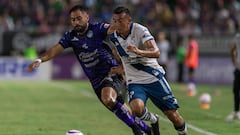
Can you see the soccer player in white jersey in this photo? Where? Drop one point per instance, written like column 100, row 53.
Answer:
column 235, row 55
column 144, row 76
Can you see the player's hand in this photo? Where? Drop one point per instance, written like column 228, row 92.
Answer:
column 132, row 48
column 116, row 70
column 33, row 66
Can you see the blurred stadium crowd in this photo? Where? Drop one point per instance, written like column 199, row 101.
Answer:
column 29, row 27
column 182, row 16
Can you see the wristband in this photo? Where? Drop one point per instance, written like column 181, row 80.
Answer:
column 39, row 60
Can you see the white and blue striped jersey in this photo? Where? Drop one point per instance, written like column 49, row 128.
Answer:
column 137, row 36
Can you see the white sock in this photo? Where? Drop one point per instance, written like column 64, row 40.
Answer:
column 148, row 116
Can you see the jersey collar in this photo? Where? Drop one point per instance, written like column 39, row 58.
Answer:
column 130, row 31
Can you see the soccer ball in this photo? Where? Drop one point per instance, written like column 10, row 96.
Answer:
column 74, row 132
column 205, row 100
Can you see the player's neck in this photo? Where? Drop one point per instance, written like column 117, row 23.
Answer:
column 125, row 33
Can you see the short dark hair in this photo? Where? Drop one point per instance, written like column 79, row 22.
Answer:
column 121, row 9
column 78, row 7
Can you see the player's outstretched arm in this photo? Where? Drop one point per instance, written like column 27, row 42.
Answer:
column 49, row 54
column 151, row 49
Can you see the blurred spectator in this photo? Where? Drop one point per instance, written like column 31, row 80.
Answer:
column 192, row 64
column 235, row 51
column 182, row 17
column 164, row 47
column 207, row 16
column 44, row 28
column 180, row 54
column 6, row 21
column 30, row 53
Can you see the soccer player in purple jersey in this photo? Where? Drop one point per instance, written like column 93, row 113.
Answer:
column 87, row 41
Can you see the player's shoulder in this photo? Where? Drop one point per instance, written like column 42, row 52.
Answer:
column 100, row 25
column 139, row 29
column 139, row 26
column 69, row 32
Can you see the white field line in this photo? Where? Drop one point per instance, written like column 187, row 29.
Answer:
column 197, row 129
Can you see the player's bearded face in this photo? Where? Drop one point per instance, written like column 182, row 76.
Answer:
column 80, row 28
column 79, row 21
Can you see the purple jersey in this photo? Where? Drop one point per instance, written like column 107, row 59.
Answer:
column 94, row 56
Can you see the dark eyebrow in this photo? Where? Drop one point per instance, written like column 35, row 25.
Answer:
column 119, row 18
column 75, row 17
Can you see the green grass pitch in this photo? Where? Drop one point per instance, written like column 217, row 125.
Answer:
column 53, row 108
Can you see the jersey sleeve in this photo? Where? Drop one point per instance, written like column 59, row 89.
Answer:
column 103, row 28
column 64, row 41
column 145, row 34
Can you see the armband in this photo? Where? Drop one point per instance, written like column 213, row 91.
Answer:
column 39, row 60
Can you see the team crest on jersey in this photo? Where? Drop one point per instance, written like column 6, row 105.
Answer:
column 90, row 34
